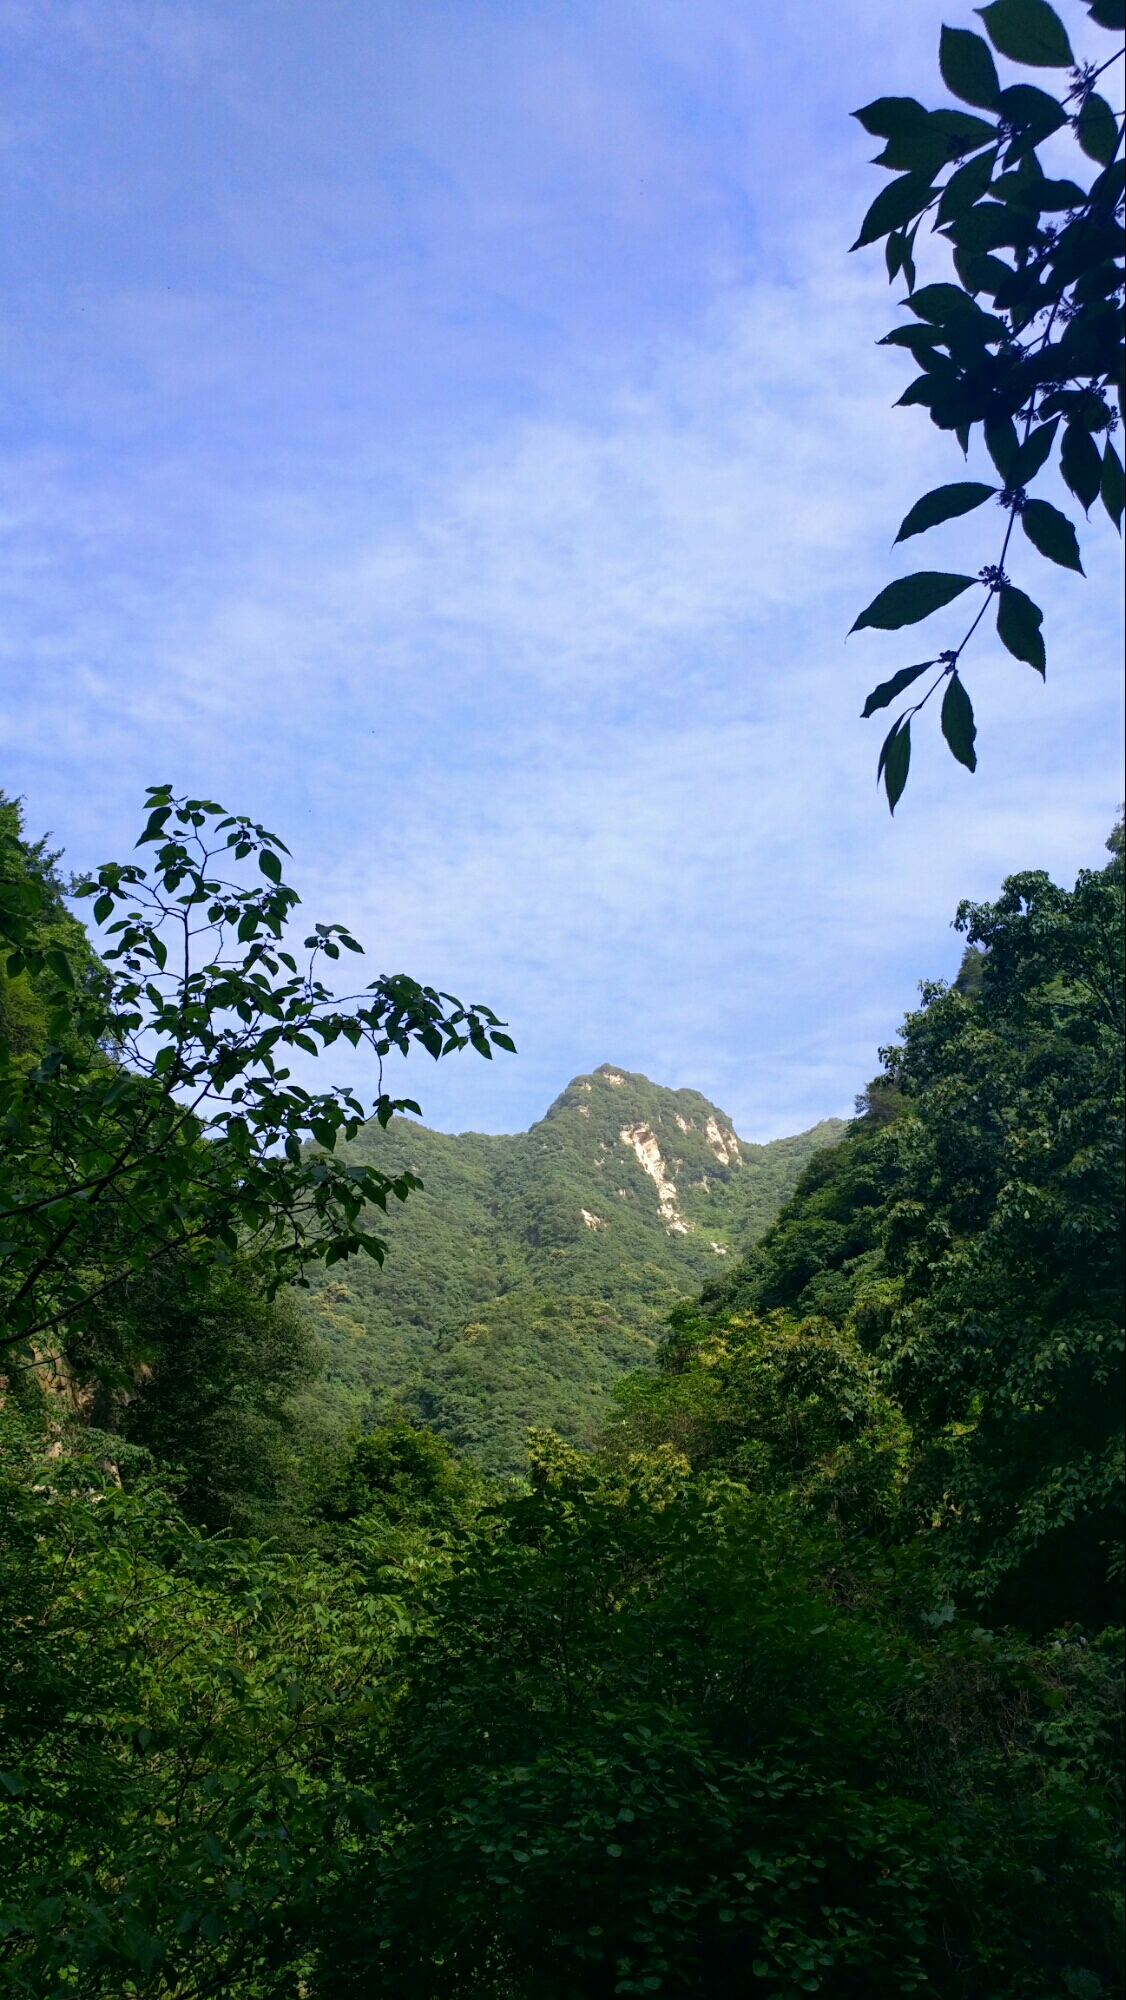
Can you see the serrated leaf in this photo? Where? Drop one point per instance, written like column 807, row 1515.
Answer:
column 1028, row 31
column 945, row 503
column 1097, row 130
column 1018, row 627
column 894, row 206
column 1029, row 457
column 1052, row 533
column 958, row 723
column 887, row 690
column 912, row 598
column 1112, row 485
column 895, row 762
column 967, row 67
column 1081, row 465
column 887, row 117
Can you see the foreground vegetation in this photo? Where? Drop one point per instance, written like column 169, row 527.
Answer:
column 806, row 1679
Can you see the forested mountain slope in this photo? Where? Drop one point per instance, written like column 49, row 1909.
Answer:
column 532, row 1269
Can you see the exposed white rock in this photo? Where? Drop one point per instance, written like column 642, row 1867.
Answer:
column 611, row 1076
column 592, row 1221
column 720, row 1249
column 724, row 1145
column 684, row 1123
column 643, row 1141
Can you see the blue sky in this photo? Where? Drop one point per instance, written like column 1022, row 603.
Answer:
column 452, row 432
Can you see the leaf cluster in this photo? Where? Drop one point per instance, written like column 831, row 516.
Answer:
column 162, row 1117
column 1036, row 364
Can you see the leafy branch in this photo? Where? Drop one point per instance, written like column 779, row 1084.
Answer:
column 1040, row 366
column 162, row 1119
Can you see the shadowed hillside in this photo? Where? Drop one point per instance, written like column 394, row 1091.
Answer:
column 534, row 1269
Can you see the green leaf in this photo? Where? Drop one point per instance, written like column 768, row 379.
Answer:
column 1002, row 445
column 1018, row 627
column 961, row 133
column 967, row 186
column 958, row 723
column 895, row 761
column 61, row 967
column 1028, row 31
column 1112, row 485
column 912, row 598
column 103, row 908
column 1022, row 104
column 945, row 503
column 886, row 692
column 1097, row 130
column 889, row 117
column 1081, row 464
column 1109, row 14
column 1031, row 455
column 943, row 304
column 1052, row 533
column 894, row 206
column 270, row 865
column 967, row 67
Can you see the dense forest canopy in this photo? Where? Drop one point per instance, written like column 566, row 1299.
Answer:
column 803, row 1677
column 670, row 1567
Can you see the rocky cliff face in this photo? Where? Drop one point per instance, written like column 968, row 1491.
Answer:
column 533, row 1268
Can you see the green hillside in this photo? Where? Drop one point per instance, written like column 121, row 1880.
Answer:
column 533, row 1269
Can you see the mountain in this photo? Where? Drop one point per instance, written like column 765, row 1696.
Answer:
column 533, row 1269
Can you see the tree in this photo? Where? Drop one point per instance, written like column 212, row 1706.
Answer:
column 160, row 1119
column 1001, row 1331
column 632, row 1746
column 1034, row 370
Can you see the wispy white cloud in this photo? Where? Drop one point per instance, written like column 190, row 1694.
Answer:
column 549, row 693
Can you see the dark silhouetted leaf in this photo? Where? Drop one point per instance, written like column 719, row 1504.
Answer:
column 942, row 304
column 1097, row 130
column 945, row 503
column 1112, row 485
column 270, row 865
column 967, row 186
column 1081, row 464
column 967, row 67
column 1028, row 31
column 1022, row 104
column 1018, row 626
column 1031, row 455
column 1052, row 533
column 958, row 723
column 894, row 206
column 887, row 690
column 1109, row 14
column 887, row 117
column 912, row 598
column 1002, row 444
column 982, row 273
column 895, row 762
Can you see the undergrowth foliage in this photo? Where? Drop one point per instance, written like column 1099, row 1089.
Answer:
column 1032, row 369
